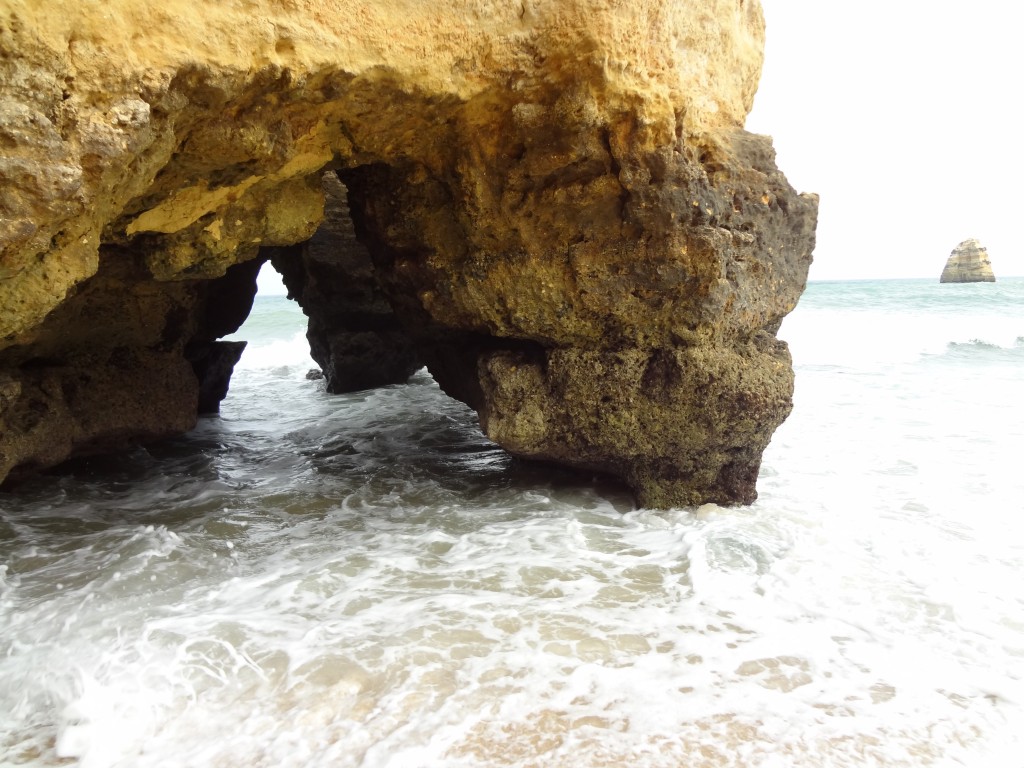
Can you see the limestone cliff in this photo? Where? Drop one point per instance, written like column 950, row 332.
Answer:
column 559, row 200
column 968, row 263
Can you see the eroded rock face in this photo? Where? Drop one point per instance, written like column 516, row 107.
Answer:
column 559, row 201
column 123, row 359
column 968, row 263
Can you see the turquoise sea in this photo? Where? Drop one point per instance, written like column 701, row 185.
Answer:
column 363, row 580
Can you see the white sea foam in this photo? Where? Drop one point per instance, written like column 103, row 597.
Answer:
column 278, row 356
column 366, row 581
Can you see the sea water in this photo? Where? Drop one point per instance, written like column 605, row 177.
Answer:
column 364, row 580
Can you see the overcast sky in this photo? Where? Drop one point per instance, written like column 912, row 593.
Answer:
column 904, row 115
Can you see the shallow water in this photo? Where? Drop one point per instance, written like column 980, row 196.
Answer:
column 365, row 580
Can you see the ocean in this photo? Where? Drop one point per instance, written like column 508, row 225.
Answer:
column 364, row 580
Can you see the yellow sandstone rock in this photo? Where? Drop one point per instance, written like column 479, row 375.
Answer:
column 968, row 263
column 562, row 183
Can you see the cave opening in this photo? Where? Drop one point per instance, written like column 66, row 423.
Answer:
column 354, row 335
column 363, row 347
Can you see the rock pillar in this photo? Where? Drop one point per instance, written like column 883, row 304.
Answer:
column 968, row 263
column 353, row 333
column 614, row 312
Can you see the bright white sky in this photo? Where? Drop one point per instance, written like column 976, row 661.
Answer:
column 269, row 282
column 904, row 115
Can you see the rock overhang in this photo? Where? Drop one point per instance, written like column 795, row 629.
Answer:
column 566, row 182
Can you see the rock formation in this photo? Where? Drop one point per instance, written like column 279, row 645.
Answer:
column 968, row 263
column 558, row 197
column 353, row 333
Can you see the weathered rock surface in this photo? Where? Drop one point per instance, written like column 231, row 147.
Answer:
column 116, row 363
column 968, row 263
column 558, row 198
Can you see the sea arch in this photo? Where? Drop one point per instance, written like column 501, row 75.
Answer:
column 564, row 218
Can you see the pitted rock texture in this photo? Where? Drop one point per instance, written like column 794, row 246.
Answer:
column 968, row 263
column 558, row 198
column 682, row 260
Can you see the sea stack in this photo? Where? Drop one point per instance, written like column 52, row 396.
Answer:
column 556, row 207
column 968, row 263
